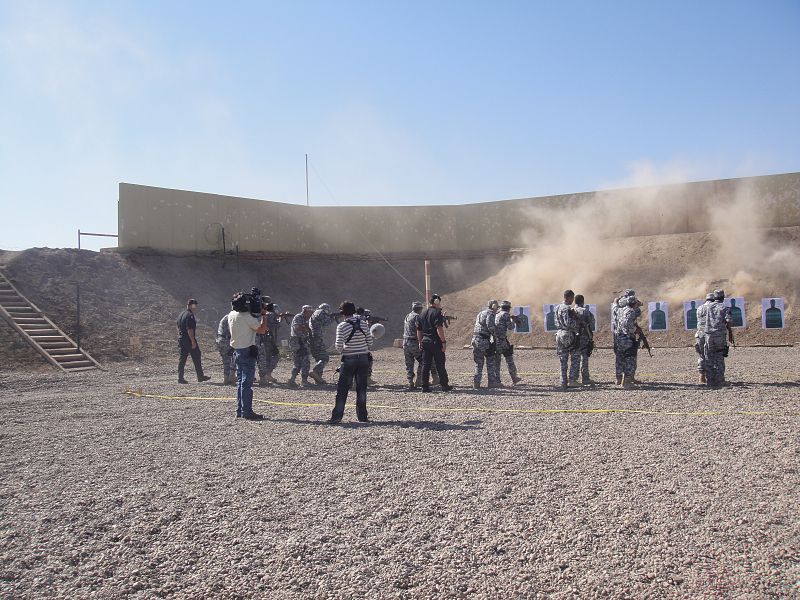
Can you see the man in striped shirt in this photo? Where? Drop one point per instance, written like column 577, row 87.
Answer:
column 353, row 340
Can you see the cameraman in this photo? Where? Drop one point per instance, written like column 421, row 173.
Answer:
column 244, row 328
column 353, row 340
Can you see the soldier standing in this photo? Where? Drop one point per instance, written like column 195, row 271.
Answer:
column 299, row 347
column 503, row 323
column 268, row 351
column 411, row 350
column 319, row 320
column 625, row 341
column 718, row 332
column 580, row 357
column 484, row 348
column 566, row 334
column 617, row 306
column 701, row 319
column 226, row 353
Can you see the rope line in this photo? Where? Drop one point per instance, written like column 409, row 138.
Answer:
column 482, row 409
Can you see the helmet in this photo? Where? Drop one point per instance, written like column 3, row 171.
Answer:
column 632, row 300
column 719, row 294
column 710, row 296
column 325, row 307
column 505, row 305
column 416, row 305
column 492, row 304
column 306, row 307
column 377, row 331
column 629, row 292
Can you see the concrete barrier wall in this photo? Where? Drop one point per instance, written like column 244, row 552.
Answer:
column 182, row 221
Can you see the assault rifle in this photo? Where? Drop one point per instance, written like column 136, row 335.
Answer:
column 285, row 315
column 447, row 319
column 643, row 341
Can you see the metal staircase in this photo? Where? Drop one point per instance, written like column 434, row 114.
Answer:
column 40, row 332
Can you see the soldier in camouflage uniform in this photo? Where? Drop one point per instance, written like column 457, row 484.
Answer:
column 226, row 353
column 617, row 305
column 268, row 351
column 580, row 356
column 626, row 344
column 483, row 348
column 299, row 346
column 566, row 335
column 503, row 323
column 718, row 331
column 411, row 350
column 700, row 336
column 319, row 320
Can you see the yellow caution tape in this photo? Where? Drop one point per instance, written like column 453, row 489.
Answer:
column 481, row 409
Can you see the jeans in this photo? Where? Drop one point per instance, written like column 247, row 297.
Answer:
column 432, row 353
column 245, row 374
column 185, row 347
column 354, row 365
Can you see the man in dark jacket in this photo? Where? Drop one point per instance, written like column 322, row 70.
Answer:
column 187, row 342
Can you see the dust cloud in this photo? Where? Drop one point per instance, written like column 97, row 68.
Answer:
column 666, row 241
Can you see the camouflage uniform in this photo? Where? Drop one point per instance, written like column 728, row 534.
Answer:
column 411, row 350
column 319, row 320
column 268, row 351
column 616, row 307
column 716, row 344
column 566, row 334
column 580, row 356
column 481, row 348
column 502, row 325
column 625, row 344
column 298, row 346
column 226, row 353
column 700, row 335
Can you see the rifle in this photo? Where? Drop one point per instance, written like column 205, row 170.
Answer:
column 375, row 319
column 643, row 341
column 447, row 319
column 284, row 315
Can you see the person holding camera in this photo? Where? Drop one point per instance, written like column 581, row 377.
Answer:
column 354, row 340
column 187, row 342
column 244, row 327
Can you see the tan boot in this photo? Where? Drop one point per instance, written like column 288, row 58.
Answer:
column 434, row 379
column 292, row 383
column 702, row 378
column 627, row 382
column 271, row 379
column 317, row 379
column 619, row 380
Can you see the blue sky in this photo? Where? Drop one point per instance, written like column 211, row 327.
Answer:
column 395, row 103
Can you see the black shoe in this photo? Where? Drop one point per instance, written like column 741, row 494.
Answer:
column 363, row 421
column 182, row 381
column 254, row 417
column 333, row 421
column 238, row 415
column 426, row 390
column 447, row 388
column 203, row 378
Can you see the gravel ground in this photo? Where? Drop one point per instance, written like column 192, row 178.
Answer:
column 105, row 494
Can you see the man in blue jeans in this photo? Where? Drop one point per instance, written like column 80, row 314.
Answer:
column 354, row 340
column 244, row 327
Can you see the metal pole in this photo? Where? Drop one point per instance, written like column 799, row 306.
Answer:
column 307, row 180
column 223, row 248
column 78, row 315
column 79, row 239
column 427, row 281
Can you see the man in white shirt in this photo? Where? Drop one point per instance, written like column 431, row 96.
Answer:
column 244, row 327
column 354, row 340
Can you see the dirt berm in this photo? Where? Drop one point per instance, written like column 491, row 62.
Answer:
column 129, row 301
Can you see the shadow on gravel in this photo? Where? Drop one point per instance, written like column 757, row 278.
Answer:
column 426, row 425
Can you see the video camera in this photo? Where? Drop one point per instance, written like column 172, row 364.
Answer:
column 252, row 302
